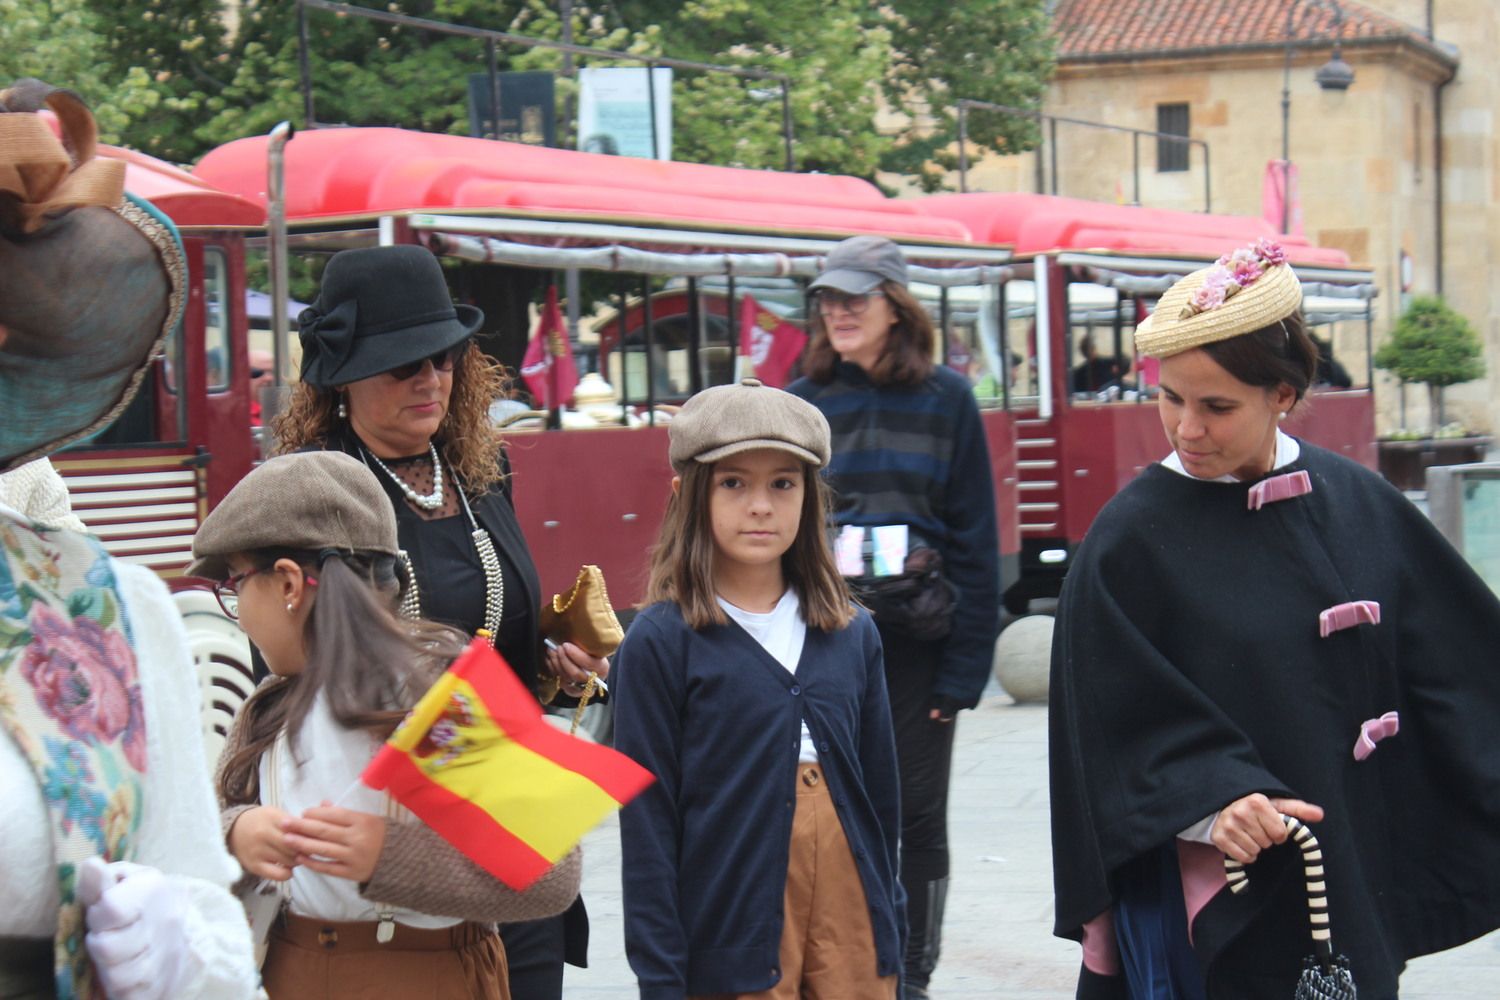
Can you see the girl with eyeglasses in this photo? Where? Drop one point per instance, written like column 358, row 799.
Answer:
column 391, row 376
column 372, row 903
column 909, row 454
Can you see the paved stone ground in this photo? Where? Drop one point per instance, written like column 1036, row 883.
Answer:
column 998, row 943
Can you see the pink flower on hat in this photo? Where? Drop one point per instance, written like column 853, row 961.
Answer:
column 1213, row 291
column 1270, row 251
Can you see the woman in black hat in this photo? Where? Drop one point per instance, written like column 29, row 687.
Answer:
column 909, row 451
column 391, row 375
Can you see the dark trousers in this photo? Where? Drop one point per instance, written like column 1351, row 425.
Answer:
column 536, row 950
column 924, row 758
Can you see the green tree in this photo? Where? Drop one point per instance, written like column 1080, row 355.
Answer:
column 1434, row 345
column 180, row 47
column 997, row 51
column 58, row 42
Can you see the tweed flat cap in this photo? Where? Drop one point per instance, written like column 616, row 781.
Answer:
column 307, row 500
column 727, row 419
column 1210, row 305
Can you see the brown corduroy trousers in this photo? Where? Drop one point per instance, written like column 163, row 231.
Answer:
column 827, row 942
column 309, row 959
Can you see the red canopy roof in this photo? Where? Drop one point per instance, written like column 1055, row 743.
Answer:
column 376, row 171
column 1035, row 223
column 183, row 198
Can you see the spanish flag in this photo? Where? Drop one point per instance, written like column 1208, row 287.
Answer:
column 477, row 763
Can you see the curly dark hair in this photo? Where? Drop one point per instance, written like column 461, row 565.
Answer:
column 471, row 444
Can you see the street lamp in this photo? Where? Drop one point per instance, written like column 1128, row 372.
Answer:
column 1332, row 75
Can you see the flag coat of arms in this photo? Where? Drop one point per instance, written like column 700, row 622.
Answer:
column 477, row 763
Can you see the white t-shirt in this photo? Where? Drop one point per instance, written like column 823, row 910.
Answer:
column 780, row 632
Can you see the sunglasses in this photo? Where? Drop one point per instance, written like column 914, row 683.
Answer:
column 257, row 372
column 442, row 361
column 829, row 302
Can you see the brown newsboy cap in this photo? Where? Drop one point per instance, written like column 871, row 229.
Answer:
column 307, row 500
column 727, row 419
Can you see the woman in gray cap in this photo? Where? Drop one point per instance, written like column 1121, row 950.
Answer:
column 909, row 451
column 391, row 376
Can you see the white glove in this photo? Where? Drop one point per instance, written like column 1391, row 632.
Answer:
column 136, row 935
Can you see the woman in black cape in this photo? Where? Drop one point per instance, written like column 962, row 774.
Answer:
column 1253, row 628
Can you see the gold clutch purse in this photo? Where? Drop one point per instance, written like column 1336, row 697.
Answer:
column 582, row 616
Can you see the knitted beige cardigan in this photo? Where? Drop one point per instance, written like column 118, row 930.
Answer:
column 419, row 870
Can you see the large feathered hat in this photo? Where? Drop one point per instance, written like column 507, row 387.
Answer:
column 91, row 280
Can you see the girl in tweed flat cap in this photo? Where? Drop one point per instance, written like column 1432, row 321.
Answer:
column 763, row 861
column 374, row 903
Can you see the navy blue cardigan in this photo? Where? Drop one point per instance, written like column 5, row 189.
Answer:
column 718, row 721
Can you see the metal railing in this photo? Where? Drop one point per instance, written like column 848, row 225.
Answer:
column 492, row 39
column 1049, row 144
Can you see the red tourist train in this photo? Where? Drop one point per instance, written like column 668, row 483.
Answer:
column 666, row 254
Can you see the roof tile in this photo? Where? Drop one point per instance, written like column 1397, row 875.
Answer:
column 1090, row 28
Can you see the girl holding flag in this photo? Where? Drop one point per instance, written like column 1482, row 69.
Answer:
column 376, row 904
column 763, row 861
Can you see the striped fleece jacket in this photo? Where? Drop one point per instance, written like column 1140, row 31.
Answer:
column 917, row 456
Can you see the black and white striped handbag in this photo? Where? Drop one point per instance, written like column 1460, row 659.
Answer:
column 1325, row 976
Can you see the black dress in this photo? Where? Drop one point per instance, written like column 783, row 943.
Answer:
column 1189, row 670
column 451, row 583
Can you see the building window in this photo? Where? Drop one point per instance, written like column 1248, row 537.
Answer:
column 1171, row 156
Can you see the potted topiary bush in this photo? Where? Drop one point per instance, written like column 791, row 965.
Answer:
column 1435, row 346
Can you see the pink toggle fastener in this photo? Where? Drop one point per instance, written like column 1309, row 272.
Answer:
column 1342, row 616
column 1373, row 731
column 1283, row 487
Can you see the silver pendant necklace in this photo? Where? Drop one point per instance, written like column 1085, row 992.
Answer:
column 427, row 501
column 484, row 546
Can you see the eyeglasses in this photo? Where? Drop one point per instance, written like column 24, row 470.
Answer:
column 227, row 592
column 442, row 361
column 830, row 302
column 257, row 372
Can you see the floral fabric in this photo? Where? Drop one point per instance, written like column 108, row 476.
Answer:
column 70, row 697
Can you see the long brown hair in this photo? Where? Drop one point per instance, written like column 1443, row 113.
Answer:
column 370, row 664
column 682, row 561
column 907, row 358
column 471, row 444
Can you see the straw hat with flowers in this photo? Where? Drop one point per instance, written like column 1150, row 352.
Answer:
column 1241, row 292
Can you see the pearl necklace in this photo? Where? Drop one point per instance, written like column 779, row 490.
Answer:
column 427, row 501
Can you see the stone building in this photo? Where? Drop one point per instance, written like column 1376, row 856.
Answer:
column 1401, row 170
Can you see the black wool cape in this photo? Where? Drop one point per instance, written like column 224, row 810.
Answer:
column 1188, row 671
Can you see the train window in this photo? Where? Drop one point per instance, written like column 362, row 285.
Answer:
column 1020, row 322
column 218, row 362
column 1102, row 321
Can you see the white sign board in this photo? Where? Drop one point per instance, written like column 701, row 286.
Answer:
column 613, row 115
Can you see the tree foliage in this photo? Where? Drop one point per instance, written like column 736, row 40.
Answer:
column 1435, row 345
column 871, row 85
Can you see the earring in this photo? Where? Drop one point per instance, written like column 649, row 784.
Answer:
column 343, row 409
column 288, row 607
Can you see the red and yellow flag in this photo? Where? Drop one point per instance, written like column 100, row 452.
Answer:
column 477, row 763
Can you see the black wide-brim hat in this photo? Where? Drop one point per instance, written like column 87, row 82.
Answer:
column 379, row 308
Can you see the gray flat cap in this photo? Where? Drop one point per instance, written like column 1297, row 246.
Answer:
column 727, row 419
column 307, row 500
